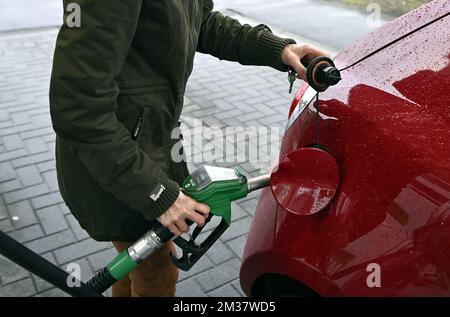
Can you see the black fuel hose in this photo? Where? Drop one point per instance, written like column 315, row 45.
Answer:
column 46, row 270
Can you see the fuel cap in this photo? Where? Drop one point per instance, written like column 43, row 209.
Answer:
column 305, row 181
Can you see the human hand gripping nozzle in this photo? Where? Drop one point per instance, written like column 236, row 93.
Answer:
column 216, row 187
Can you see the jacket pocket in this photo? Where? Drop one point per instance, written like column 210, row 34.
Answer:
column 76, row 185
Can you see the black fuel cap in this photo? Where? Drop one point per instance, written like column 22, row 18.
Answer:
column 321, row 73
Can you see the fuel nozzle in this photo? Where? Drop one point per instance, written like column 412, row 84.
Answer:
column 321, row 73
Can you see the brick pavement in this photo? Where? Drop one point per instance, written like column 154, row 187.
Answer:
column 31, row 208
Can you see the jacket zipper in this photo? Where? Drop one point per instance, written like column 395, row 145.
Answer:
column 137, row 127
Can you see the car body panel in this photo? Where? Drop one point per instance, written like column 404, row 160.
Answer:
column 388, row 126
column 392, row 31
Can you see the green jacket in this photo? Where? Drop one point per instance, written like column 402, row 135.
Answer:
column 116, row 94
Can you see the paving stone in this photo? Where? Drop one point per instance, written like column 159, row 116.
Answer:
column 237, row 245
column 225, row 291
column 36, row 145
column 6, row 226
column 189, row 288
column 51, row 180
column 202, row 265
column 64, row 208
column 27, row 234
column 47, row 166
column 9, row 186
column 219, row 275
column 20, row 288
column 4, row 115
column 229, row 114
column 49, row 138
column 25, row 193
column 78, row 250
column 11, row 272
column 42, row 120
column 237, row 286
column 52, row 219
column 41, row 284
column 5, row 124
column 49, row 256
column 20, row 118
column 224, row 105
column 237, row 228
column 27, row 133
column 46, row 200
column 7, row 96
column 51, row 242
column 237, row 212
column 102, row 259
column 3, row 210
column 22, row 214
column 7, row 172
column 29, row 175
column 10, row 155
column 220, row 253
column 32, row 159
column 277, row 118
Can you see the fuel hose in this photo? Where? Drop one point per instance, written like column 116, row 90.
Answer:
column 46, row 270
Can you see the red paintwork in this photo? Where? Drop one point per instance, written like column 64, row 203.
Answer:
column 305, row 181
column 387, row 124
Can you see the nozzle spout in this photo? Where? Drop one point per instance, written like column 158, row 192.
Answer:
column 258, row 182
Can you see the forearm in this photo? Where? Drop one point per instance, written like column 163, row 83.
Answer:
column 227, row 39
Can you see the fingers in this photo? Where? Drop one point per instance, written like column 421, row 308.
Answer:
column 295, row 61
column 311, row 52
column 300, row 52
column 174, row 229
column 183, row 209
column 197, row 212
column 299, row 68
column 203, row 209
column 182, row 226
column 196, row 217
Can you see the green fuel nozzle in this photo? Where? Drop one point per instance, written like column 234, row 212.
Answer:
column 216, row 187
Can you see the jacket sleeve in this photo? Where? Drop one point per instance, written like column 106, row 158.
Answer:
column 227, row 39
column 83, row 104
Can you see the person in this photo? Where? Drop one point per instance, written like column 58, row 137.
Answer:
column 116, row 94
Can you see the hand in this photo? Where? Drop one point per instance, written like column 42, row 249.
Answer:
column 184, row 208
column 293, row 53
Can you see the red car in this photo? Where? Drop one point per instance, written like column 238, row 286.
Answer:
column 387, row 125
